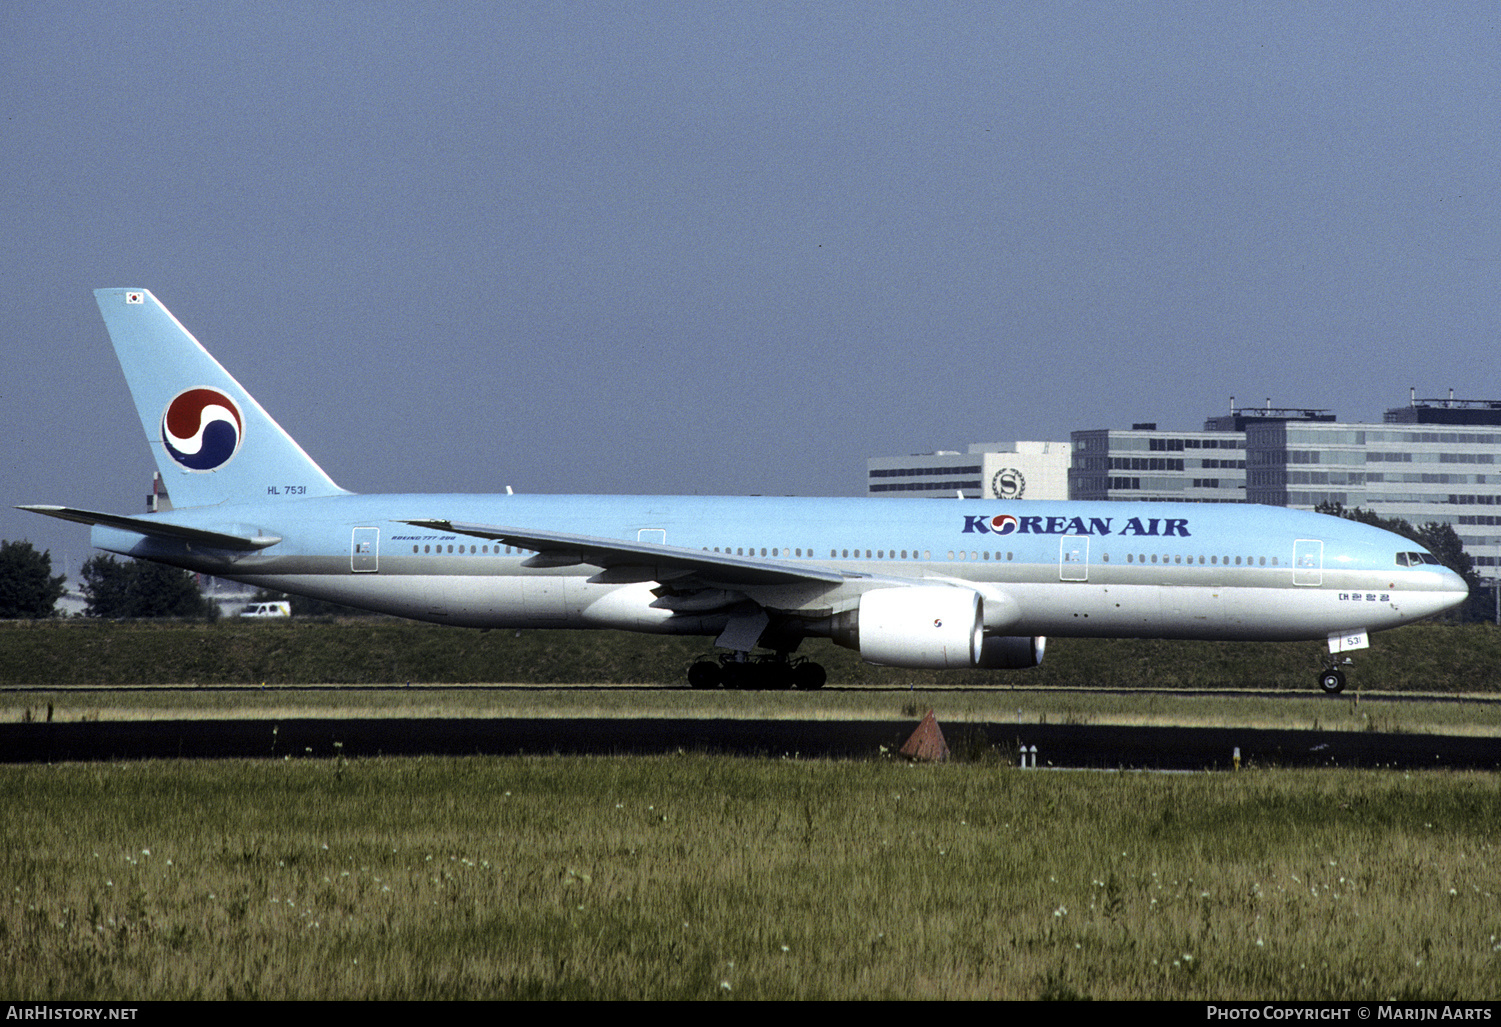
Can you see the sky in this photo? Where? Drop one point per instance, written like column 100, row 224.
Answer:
column 734, row 248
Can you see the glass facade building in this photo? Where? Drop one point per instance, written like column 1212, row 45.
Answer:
column 1433, row 461
column 1443, row 473
column 1145, row 464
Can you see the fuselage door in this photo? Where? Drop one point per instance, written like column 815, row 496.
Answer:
column 1073, row 558
column 1308, row 562
column 364, row 551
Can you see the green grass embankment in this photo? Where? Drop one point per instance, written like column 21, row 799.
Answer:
column 1423, row 657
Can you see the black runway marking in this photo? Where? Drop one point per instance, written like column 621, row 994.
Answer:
column 1058, row 745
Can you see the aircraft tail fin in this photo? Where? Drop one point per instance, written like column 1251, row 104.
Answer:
column 212, row 441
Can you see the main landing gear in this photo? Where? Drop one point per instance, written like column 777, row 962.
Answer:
column 1332, row 677
column 744, row 671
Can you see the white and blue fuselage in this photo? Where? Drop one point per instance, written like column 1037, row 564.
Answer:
column 1064, row 569
column 921, row 583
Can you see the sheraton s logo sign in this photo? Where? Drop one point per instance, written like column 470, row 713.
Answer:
column 1008, row 524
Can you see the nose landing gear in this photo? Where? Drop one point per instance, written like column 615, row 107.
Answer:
column 1332, row 677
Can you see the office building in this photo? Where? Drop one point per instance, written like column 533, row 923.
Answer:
column 1433, row 461
column 1145, row 465
column 988, row 470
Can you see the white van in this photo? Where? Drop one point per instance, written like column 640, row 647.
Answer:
column 277, row 609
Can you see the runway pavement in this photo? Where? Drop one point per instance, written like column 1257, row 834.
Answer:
column 1059, row 746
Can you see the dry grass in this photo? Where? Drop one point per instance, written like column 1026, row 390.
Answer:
column 702, row 877
column 1403, row 714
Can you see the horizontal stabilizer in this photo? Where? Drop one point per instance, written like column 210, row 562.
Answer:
column 159, row 529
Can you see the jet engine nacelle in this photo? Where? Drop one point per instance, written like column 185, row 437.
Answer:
column 935, row 627
column 930, row 627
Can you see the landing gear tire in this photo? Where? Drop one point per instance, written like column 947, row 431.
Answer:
column 808, row 676
column 757, row 674
column 1332, row 682
column 704, row 674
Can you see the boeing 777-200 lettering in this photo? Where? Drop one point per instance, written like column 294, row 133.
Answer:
column 920, row 583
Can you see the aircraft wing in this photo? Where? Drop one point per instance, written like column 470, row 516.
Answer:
column 159, row 529
column 624, row 561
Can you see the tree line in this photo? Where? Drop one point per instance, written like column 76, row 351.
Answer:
column 112, row 589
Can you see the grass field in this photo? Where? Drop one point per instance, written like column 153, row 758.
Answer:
column 701, row 876
column 364, row 651
column 68, row 671
column 712, row 877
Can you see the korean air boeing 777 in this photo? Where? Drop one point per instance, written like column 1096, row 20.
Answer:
column 909, row 583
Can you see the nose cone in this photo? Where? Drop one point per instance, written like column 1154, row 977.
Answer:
column 1429, row 593
column 1454, row 589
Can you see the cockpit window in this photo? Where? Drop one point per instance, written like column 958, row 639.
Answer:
column 1416, row 559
